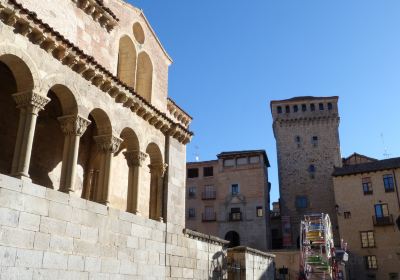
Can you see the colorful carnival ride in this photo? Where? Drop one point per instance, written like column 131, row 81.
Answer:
column 317, row 250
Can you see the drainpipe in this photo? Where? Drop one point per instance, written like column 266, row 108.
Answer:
column 397, row 190
column 164, row 197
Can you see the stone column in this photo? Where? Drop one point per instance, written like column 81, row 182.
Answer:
column 135, row 160
column 73, row 127
column 30, row 104
column 107, row 145
column 156, row 190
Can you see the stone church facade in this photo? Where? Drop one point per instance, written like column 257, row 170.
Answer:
column 92, row 164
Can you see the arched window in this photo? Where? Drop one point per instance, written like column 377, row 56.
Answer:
column 144, row 76
column 157, row 172
column 312, row 107
column 287, row 109
column 279, row 109
column 126, row 61
column 330, row 107
column 303, row 107
column 233, row 238
column 295, row 108
column 321, row 106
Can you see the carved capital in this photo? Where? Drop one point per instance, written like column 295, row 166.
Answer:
column 73, row 125
column 158, row 168
column 108, row 143
column 135, row 158
column 30, row 99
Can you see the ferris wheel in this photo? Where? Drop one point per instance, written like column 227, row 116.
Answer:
column 317, row 249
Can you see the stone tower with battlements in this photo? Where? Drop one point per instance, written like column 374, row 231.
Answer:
column 307, row 141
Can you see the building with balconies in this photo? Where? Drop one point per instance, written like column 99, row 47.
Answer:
column 368, row 203
column 229, row 198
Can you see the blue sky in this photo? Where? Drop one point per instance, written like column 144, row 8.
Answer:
column 232, row 57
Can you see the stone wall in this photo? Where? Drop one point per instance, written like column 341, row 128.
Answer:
column 247, row 263
column 46, row 234
column 305, row 166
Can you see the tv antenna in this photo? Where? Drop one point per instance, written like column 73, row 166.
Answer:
column 196, row 154
column 385, row 150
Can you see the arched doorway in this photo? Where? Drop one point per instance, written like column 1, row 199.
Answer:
column 233, row 238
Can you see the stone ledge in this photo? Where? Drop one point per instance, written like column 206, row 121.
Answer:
column 100, row 13
column 204, row 237
column 244, row 249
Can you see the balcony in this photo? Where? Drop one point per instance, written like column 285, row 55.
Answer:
column 209, row 195
column 235, row 217
column 383, row 221
column 209, row 217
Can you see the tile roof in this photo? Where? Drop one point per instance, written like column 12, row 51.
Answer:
column 379, row 165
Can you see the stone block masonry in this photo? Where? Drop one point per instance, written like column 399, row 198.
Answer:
column 46, row 234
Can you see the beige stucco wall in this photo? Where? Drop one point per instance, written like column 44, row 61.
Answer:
column 350, row 198
column 253, row 184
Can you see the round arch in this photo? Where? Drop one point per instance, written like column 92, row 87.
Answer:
column 233, row 237
column 15, row 58
column 144, row 76
column 126, row 67
column 131, row 141
column 154, row 153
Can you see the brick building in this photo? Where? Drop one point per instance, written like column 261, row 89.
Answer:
column 229, row 198
column 368, row 203
column 307, row 141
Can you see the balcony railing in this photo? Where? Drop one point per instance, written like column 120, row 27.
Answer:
column 368, row 192
column 383, row 221
column 209, row 195
column 234, row 217
column 209, row 217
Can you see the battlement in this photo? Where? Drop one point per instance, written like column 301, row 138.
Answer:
column 304, row 107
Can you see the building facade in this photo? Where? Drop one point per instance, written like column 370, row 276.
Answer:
column 307, row 141
column 229, row 198
column 93, row 152
column 368, row 203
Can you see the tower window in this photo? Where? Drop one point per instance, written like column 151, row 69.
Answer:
column 321, row 106
column 259, row 211
column 287, row 109
column 279, row 109
column 312, row 107
column 295, row 108
column 314, row 141
column 303, row 107
column 330, row 107
column 311, row 170
column 301, row 202
column 298, row 141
